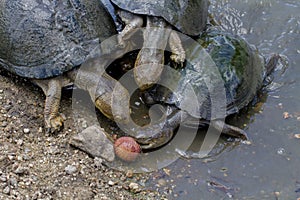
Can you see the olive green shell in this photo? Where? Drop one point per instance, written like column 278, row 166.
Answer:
column 242, row 71
column 41, row 39
column 189, row 17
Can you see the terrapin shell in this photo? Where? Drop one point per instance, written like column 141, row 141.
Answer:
column 189, row 17
column 242, row 71
column 41, row 39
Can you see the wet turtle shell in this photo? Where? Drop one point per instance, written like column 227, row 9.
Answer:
column 189, row 17
column 239, row 64
column 41, row 39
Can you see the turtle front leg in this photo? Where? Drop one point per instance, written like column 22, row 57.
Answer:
column 52, row 89
column 149, row 63
column 132, row 22
column 178, row 52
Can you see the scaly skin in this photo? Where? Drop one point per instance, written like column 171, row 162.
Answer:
column 42, row 40
column 150, row 60
column 103, row 89
column 52, row 88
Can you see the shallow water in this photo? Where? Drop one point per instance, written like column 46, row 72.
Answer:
column 269, row 167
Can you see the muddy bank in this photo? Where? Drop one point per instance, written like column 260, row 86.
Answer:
column 36, row 165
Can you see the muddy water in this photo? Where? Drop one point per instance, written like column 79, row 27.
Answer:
column 269, row 167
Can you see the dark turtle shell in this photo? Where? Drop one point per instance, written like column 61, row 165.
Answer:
column 189, row 17
column 41, row 39
column 240, row 66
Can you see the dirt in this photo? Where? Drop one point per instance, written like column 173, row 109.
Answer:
column 37, row 165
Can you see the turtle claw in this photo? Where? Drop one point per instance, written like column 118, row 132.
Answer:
column 178, row 58
column 121, row 42
column 55, row 124
column 178, row 53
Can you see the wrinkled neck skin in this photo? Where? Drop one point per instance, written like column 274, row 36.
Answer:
column 159, row 132
column 112, row 99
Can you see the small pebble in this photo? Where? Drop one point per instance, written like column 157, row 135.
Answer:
column 40, row 130
column 134, row 187
column 4, row 124
column 111, row 183
column 129, row 173
column 281, row 151
column 70, row 169
column 19, row 142
column 11, row 157
column 167, row 171
column 286, row 115
column 26, row 130
column 6, row 190
column 3, row 178
column 84, row 124
column 98, row 162
column 13, row 181
column 297, row 136
column 161, row 182
column 20, row 170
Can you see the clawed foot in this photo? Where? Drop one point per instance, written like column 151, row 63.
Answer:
column 178, row 53
column 178, row 59
column 121, row 42
column 54, row 124
column 124, row 43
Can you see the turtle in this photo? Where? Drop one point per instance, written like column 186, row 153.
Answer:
column 243, row 71
column 161, row 19
column 45, row 41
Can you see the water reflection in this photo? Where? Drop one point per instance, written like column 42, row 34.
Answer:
column 259, row 170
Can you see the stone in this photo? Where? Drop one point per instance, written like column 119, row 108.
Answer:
column 134, row 187
column 26, row 130
column 93, row 141
column 70, row 169
column 6, row 190
column 20, row 170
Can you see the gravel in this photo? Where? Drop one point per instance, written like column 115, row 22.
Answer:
column 36, row 165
